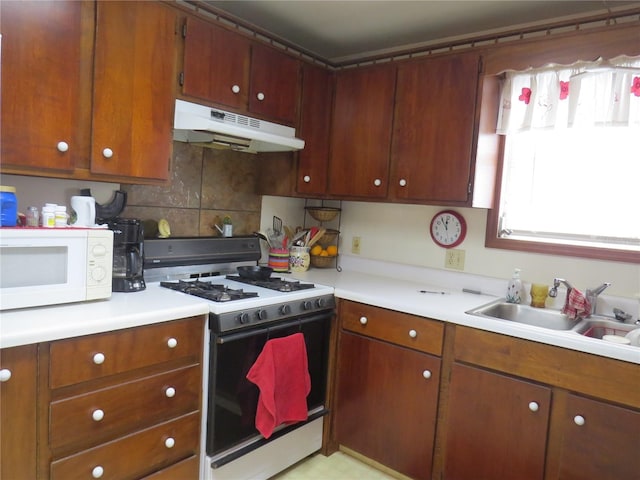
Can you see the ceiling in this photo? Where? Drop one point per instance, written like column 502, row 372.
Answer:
column 346, row 30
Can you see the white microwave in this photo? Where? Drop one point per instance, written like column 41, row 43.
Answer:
column 49, row 266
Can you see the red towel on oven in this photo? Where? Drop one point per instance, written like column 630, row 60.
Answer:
column 281, row 373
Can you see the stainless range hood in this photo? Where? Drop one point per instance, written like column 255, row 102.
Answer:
column 212, row 127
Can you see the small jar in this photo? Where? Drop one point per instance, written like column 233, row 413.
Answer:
column 61, row 217
column 299, row 259
column 49, row 215
column 8, row 206
column 33, row 217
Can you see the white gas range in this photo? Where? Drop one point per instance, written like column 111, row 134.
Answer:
column 243, row 318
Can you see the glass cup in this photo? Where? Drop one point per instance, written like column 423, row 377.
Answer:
column 539, row 294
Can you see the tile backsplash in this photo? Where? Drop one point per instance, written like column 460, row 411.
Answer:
column 206, row 185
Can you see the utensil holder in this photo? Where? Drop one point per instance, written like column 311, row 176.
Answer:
column 299, row 259
column 279, row 259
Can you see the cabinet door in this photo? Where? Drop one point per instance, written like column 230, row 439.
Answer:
column 433, row 133
column 599, row 441
column 133, row 89
column 18, row 412
column 40, row 84
column 275, row 79
column 496, row 428
column 361, row 132
column 216, row 64
column 386, row 405
column 315, row 121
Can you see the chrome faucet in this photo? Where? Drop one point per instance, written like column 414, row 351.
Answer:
column 592, row 295
column 553, row 291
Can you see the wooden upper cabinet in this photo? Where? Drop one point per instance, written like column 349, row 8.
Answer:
column 433, row 132
column 315, row 122
column 216, row 64
column 361, row 131
column 133, row 89
column 40, row 84
column 229, row 69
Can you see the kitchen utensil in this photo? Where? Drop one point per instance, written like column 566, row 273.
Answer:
column 262, row 236
column 255, row 272
column 319, row 233
column 298, row 238
column 85, row 211
column 277, row 225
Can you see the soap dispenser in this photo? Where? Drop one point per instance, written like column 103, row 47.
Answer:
column 514, row 289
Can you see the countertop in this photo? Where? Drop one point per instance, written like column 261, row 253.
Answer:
column 373, row 283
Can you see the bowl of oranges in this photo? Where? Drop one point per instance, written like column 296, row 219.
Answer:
column 323, row 257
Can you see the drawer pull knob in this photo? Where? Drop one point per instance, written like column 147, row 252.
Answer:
column 306, row 179
column 413, row 333
column 5, row 375
column 97, row 415
column 377, row 182
column 235, row 89
column 169, row 442
column 402, row 182
column 579, row 420
column 170, row 392
column 98, row 358
column 62, row 146
column 172, row 343
column 363, row 320
column 533, row 406
column 107, row 153
column 97, row 472
column 260, row 96
column 426, row 374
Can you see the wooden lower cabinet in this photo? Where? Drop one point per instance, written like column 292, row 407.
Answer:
column 497, row 426
column 18, row 390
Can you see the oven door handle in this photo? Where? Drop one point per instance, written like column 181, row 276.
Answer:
column 251, row 332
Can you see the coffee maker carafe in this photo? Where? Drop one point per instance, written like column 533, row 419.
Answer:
column 128, row 251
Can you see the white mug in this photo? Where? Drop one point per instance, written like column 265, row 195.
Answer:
column 85, row 208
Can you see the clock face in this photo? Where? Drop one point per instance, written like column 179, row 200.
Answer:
column 448, row 228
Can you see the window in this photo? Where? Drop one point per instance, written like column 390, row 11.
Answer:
column 571, row 161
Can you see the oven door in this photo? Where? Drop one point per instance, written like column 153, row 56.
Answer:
column 233, row 400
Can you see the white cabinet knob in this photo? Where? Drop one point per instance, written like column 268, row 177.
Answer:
column 533, row 406
column 363, row 320
column 97, row 415
column 426, row 374
column 62, row 146
column 169, row 442
column 260, row 96
column 235, row 89
column 107, row 153
column 377, row 182
column 98, row 358
column 403, row 182
column 413, row 333
column 97, row 472
column 172, row 343
column 5, row 374
column 579, row 420
column 170, row 392
column 306, row 179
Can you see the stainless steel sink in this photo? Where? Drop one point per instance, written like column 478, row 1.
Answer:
column 599, row 327
column 518, row 313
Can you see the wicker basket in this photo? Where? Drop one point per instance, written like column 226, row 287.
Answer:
column 322, row 262
column 328, row 238
column 323, row 214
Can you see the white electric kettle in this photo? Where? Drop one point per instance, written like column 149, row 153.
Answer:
column 85, row 209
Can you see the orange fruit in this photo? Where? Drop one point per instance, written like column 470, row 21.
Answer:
column 332, row 250
column 324, row 253
column 316, row 249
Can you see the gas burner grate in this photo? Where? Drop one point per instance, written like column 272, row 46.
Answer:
column 274, row 283
column 208, row 290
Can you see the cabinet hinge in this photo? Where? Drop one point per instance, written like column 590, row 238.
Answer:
column 184, row 30
column 469, row 188
column 480, row 66
column 181, row 79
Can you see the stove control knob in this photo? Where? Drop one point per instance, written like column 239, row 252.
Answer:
column 285, row 309
column 243, row 317
column 307, row 305
column 261, row 314
column 321, row 302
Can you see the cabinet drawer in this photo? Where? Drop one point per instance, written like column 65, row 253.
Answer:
column 135, row 455
column 79, row 359
column 104, row 414
column 184, row 470
column 400, row 328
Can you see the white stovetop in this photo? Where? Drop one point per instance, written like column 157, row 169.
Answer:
column 371, row 282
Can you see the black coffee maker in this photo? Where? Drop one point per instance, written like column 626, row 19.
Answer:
column 128, row 251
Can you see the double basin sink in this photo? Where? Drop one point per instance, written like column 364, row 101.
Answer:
column 594, row 326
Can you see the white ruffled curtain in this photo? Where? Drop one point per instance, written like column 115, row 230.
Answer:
column 600, row 93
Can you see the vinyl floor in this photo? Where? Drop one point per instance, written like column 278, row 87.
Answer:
column 338, row 466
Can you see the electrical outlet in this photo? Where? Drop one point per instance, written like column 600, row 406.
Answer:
column 454, row 259
column 355, row 245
